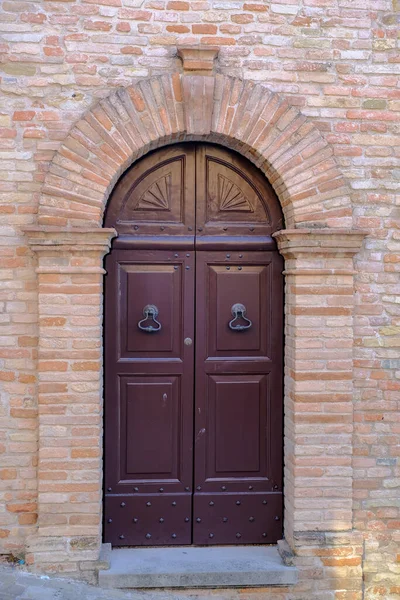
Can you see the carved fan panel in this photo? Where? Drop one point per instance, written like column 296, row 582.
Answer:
column 159, row 190
column 193, row 189
column 153, row 197
column 232, row 196
column 157, row 196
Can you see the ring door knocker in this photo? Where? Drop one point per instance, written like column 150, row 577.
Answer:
column 150, row 311
column 239, row 311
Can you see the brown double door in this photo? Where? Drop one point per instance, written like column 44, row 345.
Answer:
column 193, row 395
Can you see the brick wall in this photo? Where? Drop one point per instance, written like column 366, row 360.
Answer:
column 337, row 62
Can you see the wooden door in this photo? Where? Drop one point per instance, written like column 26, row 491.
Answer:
column 238, row 401
column 149, row 397
column 193, row 353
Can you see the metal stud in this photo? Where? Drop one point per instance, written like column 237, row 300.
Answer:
column 109, row 520
column 223, row 488
column 187, row 519
column 251, row 519
column 173, row 535
column 250, row 487
column 135, row 489
column 198, row 520
column 176, row 255
column 277, row 518
column 238, row 535
column 161, row 490
column 198, row 488
column 228, row 256
column 148, row 503
column 211, row 503
column 240, row 268
column 211, row 535
column 148, row 536
column 136, row 227
column 187, row 255
column 173, row 503
column 251, row 228
column 109, row 489
column 264, row 535
column 162, row 227
column 199, row 229
column 190, row 228
column 275, row 487
column 187, row 489
column 265, row 502
column 225, row 228
column 121, row 537
column 187, row 267
column 135, row 520
column 238, row 503
column 225, row 519
column 122, row 504
column 228, row 268
column 175, row 267
column 240, row 255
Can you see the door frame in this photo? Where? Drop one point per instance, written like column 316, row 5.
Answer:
column 242, row 240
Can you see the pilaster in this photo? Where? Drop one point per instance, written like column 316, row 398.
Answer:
column 70, row 294
column 318, row 379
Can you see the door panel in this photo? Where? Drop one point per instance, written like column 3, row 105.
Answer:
column 238, row 421
column 149, row 398
column 150, row 409
column 239, row 519
column 161, row 283
column 244, row 284
column 156, row 196
column 232, row 196
column 236, row 443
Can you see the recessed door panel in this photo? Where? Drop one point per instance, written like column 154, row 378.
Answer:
column 150, row 285
column 237, row 406
column 150, row 411
column 231, row 332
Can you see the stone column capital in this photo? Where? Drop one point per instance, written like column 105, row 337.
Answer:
column 69, row 250
column 60, row 239
column 324, row 242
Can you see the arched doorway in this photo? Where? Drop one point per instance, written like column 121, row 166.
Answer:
column 193, row 352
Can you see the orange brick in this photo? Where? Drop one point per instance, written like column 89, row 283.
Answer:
column 8, row 474
column 204, row 29
column 177, row 5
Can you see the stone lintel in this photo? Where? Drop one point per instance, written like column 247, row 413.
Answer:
column 198, row 60
column 68, row 240
column 324, row 242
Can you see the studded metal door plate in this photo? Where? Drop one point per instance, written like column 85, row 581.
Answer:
column 148, row 520
column 237, row 518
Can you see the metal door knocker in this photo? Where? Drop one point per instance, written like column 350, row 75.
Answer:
column 239, row 311
column 150, row 311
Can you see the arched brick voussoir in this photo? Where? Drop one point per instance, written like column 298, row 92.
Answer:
column 242, row 115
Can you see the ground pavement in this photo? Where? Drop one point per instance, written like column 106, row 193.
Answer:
column 16, row 584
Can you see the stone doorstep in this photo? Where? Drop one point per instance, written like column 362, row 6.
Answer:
column 194, row 567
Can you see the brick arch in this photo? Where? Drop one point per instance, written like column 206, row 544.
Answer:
column 241, row 115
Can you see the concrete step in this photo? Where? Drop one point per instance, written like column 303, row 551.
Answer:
column 193, row 567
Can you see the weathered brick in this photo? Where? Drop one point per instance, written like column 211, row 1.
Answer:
column 338, row 66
